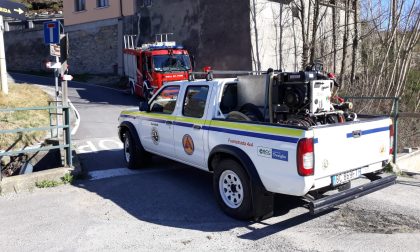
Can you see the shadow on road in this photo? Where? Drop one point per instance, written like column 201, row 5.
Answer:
column 181, row 196
column 409, row 183
column 85, row 93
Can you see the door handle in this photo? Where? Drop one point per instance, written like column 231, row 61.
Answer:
column 197, row 127
column 169, row 123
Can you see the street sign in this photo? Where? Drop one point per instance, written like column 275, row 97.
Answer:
column 52, row 32
column 55, row 50
column 12, row 9
column 53, row 65
column 67, row 77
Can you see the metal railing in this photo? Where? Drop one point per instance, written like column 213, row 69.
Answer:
column 395, row 116
column 65, row 126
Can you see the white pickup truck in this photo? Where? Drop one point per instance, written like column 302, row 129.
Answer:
column 246, row 132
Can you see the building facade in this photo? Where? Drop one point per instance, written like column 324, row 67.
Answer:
column 227, row 35
column 85, row 11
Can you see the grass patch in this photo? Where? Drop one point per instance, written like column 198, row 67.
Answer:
column 66, row 179
column 23, row 95
column 47, row 184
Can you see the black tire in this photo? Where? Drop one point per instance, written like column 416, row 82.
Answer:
column 242, row 211
column 132, row 89
column 237, row 116
column 135, row 156
column 146, row 92
column 253, row 112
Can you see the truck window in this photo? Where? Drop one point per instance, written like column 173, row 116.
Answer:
column 178, row 62
column 144, row 64
column 195, row 101
column 230, row 98
column 149, row 64
column 165, row 101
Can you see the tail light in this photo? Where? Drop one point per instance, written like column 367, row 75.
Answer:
column 391, row 139
column 305, row 157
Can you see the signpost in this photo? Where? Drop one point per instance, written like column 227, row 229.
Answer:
column 52, row 32
column 14, row 10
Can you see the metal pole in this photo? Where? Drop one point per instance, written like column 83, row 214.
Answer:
column 67, row 137
column 50, row 117
column 57, row 92
column 395, row 144
column 3, row 68
column 65, row 97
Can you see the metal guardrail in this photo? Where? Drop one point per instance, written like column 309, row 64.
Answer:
column 395, row 115
column 66, row 130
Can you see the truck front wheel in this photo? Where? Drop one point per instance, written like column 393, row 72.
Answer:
column 135, row 157
column 232, row 189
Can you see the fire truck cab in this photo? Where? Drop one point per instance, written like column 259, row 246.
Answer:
column 152, row 65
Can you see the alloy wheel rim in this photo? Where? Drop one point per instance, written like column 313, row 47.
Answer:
column 231, row 189
column 127, row 149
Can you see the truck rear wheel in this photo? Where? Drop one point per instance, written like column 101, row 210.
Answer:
column 135, row 157
column 232, row 189
column 132, row 89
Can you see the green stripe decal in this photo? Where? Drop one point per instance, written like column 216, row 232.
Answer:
column 222, row 124
column 258, row 128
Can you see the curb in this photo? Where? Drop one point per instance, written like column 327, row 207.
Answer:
column 26, row 182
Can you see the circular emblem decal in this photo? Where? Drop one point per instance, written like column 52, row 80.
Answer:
column 155, row 136
column 325, row 164
column 188, row 144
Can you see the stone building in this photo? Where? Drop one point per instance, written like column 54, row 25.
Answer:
column 227, row 35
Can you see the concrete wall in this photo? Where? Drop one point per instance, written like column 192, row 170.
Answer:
column 25, row 50
column 268, row 25
column 93, row 13
column 215, row 32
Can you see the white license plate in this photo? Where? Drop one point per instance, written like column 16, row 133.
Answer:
column 345, row 177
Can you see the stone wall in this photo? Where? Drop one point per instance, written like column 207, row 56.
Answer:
column 94, row 47
column 25, row 50
column 215, row 32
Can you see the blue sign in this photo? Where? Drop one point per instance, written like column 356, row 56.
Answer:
column 52, row 32
column 280, row 155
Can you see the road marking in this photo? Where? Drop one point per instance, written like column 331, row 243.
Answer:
column 116, row 144
column 89, row 147
column 98, row 144
column 121, row 172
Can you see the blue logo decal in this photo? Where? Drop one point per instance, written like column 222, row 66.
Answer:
column 280, row 155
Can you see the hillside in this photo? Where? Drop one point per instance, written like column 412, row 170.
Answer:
column 42, row 6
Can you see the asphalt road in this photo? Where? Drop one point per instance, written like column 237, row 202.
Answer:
column 96, row 139
column 170, row 206
column 174, row 209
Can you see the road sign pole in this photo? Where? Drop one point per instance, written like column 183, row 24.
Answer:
column 57, row 92
column 3, row 68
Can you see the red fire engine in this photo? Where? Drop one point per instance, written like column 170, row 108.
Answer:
column 152, row 65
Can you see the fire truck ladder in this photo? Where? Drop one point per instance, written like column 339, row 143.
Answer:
column 159, row 37
column 129, row 41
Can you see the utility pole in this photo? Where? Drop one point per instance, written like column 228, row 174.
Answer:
column 16, row 11
column 3, row 68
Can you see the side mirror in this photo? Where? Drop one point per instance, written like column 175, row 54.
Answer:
column 144, row 106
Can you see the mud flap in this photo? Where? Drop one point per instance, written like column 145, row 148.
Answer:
column 262, row 203
column 328, row 202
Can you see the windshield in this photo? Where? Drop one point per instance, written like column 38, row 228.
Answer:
column 168, row 63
